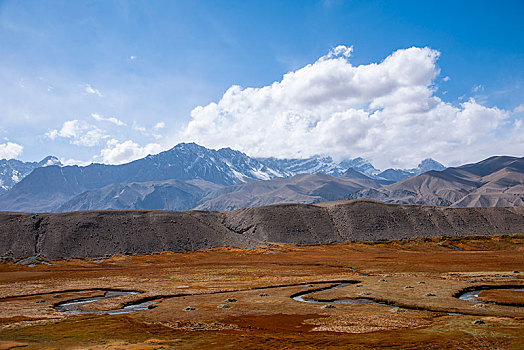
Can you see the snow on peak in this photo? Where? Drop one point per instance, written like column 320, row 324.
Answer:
column 50, row 160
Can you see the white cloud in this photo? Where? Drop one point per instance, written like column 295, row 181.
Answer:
column 79, row 133
column 446, row 78
column 110, row 119
column 10, row 150
column 123, row 152
column 90, row 90
column 387, row 112
column 339, row 51
column 159, row 125
column 519, row 109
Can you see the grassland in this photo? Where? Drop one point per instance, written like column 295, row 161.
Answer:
column 234, row 298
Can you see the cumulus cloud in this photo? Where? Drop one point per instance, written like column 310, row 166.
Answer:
column 90, row 90
column 387, row 112
column 122, row 152
column 79, row 133
column 110, row 119
column 10, row 150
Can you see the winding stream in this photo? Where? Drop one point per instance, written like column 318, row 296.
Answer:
column 300, row 297
column 470, row 295
column 473, row 295
column 75, row 304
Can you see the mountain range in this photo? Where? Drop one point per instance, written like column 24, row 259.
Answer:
column 190, row 176
column 496, row 181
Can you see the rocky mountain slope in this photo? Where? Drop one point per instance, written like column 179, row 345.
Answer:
column 13, row 170
column 496, row 181
column 99, row 233
column 302, row 188
column 160, row 195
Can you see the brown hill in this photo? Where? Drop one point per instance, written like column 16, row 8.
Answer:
column 99, row 233
column 496, row 181
column 302, row 188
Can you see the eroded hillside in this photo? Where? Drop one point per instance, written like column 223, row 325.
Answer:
column 99, row 233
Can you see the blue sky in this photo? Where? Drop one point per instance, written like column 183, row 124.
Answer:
column 110, row 81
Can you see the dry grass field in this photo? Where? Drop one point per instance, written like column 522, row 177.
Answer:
column 233, row 298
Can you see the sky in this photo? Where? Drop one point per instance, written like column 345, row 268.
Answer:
column 391, row 81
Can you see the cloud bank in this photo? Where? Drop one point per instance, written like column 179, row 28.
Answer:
column 387, row 112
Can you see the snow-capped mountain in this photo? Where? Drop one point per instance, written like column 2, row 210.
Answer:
column 326, row 165
column 361, row 165
column 312, row 165
column 319, row 164
column 13, row 170
column 188, row 161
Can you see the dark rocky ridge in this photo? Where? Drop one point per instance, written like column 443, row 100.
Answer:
column 99, row 233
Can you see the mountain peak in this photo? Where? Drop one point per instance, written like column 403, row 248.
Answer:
column 49, row 160
column 361, row 165
column 352, row 173
column 430, row 164
column 188, row 146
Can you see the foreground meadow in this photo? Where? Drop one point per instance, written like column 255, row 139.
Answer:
column 394, row 294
